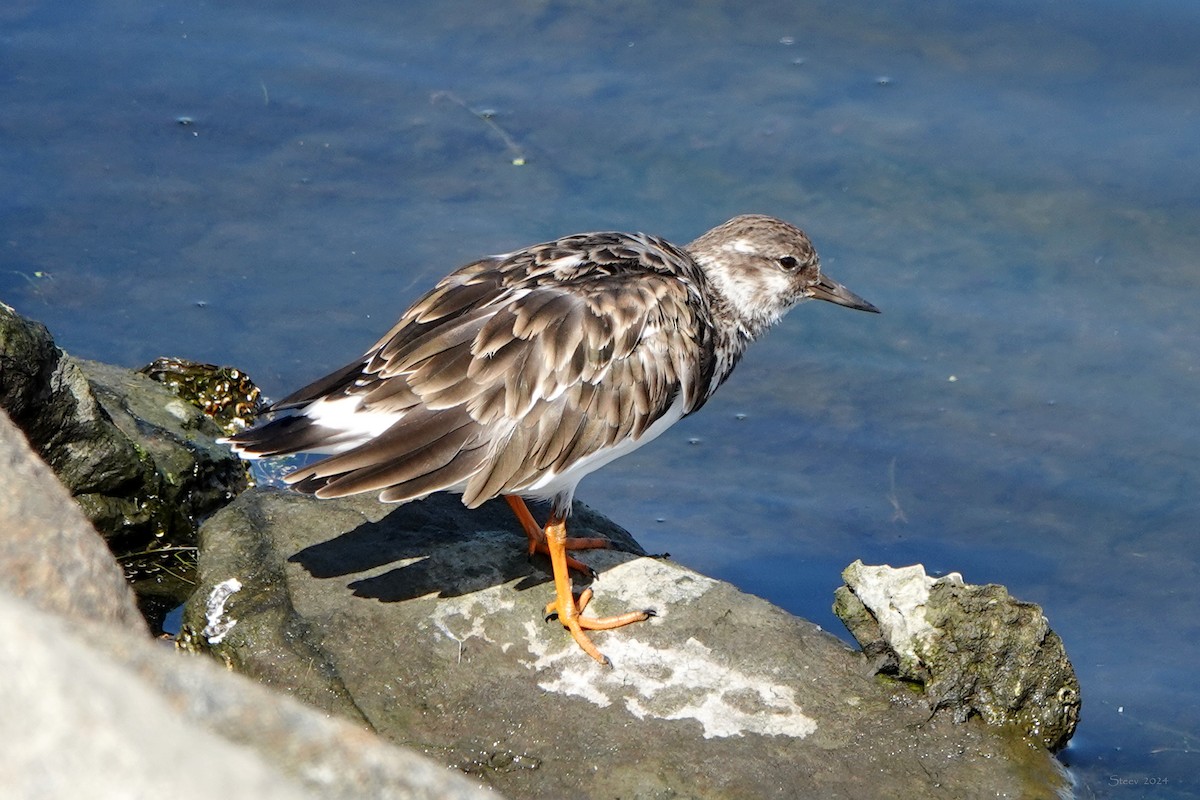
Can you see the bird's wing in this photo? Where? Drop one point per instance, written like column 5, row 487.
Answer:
column 582, row 373
column 519, row 366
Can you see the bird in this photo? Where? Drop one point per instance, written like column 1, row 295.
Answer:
column 520, row 373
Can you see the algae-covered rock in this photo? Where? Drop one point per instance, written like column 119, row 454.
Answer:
column 195, row 475
column 975, row 650
column 225, row 394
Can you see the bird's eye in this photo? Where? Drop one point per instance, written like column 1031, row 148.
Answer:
column 789, row 263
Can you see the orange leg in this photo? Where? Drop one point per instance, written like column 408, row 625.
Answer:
column 570, row 610
column 555, row 543
column 537, row 537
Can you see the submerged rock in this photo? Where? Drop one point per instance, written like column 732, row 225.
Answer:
column 426, row 621
column 975, row 650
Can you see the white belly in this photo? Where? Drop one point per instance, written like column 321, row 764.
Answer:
column 554, row 483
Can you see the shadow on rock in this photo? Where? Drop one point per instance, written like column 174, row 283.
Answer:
column 437, row 547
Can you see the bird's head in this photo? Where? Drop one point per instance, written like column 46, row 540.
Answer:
column 763, row 266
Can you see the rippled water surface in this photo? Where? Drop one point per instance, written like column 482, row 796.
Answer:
column 1014, row 183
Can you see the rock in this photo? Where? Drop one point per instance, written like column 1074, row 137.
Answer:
column 143, row 464
column 226, row 395
column 974, row 649
column 101, row 712
column 77, row 724
column 189, row 477
column 92, row 707
column 422, row 622
column 50, row 555
column 196, row 476
column 425, row 620
column 47, row 395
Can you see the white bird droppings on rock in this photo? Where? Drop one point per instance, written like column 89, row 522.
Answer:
column 217, row 625
column 462, row 618
column 677, row 682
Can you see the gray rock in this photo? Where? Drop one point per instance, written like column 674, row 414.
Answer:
column 49, row 553
column 103, row 713
column 974, row 649
column 425, row 620
column 48, row 397
column 92, row 707
column 194, row 475
column 141, row 463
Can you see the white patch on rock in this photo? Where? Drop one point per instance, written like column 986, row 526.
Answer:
column 897, row 596
column 462, row 618
column 727, row 702
column 684, row 682
column 180, row 410
column 570, row 681
column 651, row 583
column 217, row 625
column 678, row 682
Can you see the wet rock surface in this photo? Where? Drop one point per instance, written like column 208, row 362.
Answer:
column 975, row 650
column 141, row 463
column 425, row 621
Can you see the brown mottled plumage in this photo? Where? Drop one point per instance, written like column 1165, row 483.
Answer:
column 520, row 373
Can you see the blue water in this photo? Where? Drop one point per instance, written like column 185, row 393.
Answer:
column 1014, row 183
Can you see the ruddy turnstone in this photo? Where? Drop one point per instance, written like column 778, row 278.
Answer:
column 520, row 373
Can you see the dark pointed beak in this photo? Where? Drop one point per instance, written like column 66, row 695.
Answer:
column 827, row 288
